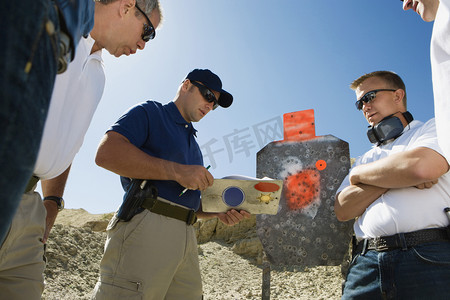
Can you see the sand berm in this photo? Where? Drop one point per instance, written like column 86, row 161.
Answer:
column 230, row 261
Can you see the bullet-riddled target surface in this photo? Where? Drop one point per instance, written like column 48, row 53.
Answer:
column 305, row 231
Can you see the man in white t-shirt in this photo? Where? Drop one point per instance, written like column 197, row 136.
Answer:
column 397, row 192
column 439, row 12
column 121, row 27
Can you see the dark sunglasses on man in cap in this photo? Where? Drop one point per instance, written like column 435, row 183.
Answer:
column 149, row 30
column 206, row 93
column 369, row 96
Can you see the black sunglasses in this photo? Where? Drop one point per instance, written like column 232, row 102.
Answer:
column 149, row 30
column 206, row 93
column 369, row 96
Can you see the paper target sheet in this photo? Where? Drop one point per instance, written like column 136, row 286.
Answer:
column 257, row 196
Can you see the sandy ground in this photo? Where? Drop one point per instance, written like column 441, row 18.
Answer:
column 74, row 254
column 227, row 275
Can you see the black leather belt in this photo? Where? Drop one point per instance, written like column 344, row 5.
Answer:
column 171, row 211
column 403, row 240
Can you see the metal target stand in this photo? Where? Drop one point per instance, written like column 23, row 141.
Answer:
column 305, row 231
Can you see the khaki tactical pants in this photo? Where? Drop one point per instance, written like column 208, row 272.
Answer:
column 22, row 253
column 151, row 257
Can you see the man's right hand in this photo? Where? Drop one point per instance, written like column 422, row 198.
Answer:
column 194, row 177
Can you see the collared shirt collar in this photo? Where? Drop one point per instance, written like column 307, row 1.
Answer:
column 178, row 118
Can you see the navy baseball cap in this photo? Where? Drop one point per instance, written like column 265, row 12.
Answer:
column 213, row 82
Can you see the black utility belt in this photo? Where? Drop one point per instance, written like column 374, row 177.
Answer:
column 172, row 211
column 403, row 240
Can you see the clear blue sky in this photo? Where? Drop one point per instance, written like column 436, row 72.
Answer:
column 275, row 57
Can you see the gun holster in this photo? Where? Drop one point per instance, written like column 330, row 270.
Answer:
column 137, row 192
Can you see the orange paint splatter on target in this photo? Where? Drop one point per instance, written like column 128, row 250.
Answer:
column 302, row 189
column 299, row 126
column 321, row 165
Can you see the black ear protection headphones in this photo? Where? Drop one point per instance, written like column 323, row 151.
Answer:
column 389, row 128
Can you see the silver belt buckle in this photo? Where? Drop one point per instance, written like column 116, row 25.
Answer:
column 380, row 244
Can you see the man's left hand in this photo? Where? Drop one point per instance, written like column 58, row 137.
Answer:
column 426, row 185
column 232, row 217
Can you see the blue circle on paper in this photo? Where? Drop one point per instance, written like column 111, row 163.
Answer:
column 233, row 196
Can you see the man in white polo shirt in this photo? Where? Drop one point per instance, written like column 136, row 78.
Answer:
column 121, row 27
column 439, row 12
column 397, row 192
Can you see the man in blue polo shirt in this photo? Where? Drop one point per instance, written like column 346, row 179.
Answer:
column 154, row 255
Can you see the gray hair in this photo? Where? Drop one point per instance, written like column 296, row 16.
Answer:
column 149, row 5
column 146, row 5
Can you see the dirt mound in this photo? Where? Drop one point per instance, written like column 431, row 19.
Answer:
column 229, row 260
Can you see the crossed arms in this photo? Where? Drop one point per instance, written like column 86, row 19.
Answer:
column 420, row 167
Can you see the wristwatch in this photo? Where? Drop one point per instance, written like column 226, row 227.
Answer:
column 59, row 201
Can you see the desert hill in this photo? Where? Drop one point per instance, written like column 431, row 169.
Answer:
column 230, row 260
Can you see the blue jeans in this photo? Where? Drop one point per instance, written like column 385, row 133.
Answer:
column 420, row 272
column 25, row 92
